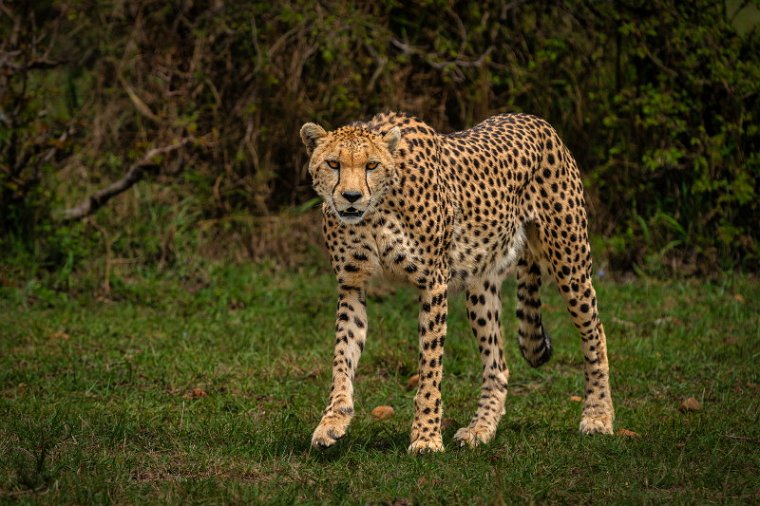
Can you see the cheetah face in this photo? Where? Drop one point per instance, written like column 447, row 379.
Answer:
column 351, row 168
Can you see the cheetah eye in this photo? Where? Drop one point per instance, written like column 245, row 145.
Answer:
column 372, row 165
column 333, row 164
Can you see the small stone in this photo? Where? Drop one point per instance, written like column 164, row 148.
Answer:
column 575, row 398
column 414, row 380
column 690, row 404
column 382, row 412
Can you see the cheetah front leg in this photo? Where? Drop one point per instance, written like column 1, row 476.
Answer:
column 351, row 332
column 483, row 309
column 426, row 429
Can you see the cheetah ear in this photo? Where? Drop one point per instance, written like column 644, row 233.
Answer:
column 311, row 134
column 391, row 139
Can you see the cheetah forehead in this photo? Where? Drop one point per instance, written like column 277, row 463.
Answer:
column 353, row 139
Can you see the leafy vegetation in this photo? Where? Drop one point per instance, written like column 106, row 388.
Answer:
column 193, row 389
column 659, row 102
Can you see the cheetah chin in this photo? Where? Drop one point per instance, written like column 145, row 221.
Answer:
column 351, row 215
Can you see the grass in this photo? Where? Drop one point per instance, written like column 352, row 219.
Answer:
column 206, row 390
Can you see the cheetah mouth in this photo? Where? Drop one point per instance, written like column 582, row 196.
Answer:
column 351, row 213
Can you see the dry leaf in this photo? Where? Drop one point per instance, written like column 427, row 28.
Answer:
column 739, row 297
column 60, row 335
column 627, row 433
column 141, row 106
column 575, row 398
column 198, row 393
column 413, row 381
column 382, row 412
column 690, row 404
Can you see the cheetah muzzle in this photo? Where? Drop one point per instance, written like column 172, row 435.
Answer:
column 447, row 212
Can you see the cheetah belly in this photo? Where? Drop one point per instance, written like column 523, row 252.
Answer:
column 472, row 257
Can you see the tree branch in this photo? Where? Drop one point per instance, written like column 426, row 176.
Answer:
column 454, row 65
column 133, row 175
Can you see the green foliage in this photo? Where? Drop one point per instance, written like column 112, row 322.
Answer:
column 97, row 404
column 683, row 123
column 658, row 101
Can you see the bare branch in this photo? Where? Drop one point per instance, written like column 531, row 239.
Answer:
column 431, row 59
column 133, row 175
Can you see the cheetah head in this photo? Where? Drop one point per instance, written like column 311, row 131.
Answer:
column 351, row 168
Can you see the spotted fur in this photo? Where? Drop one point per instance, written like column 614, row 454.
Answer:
column 456, row 211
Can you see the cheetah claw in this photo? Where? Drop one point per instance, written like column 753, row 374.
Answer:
column 427, row 446
column 473, row 436
column 599, row 424
column 326, row 435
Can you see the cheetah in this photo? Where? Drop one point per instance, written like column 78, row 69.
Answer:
column 448, row 212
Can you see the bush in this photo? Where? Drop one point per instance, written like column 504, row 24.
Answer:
column 658, row 101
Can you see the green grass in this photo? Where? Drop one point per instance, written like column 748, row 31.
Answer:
column 96, row 402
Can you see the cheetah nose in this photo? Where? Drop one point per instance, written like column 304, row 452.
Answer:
column 352, row 196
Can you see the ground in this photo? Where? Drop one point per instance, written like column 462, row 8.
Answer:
column 205, row 388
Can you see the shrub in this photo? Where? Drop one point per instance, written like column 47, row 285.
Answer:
column 657, row 100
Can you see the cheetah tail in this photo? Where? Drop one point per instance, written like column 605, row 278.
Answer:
column 535, row 343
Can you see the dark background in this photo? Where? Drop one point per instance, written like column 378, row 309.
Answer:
column 658, row 100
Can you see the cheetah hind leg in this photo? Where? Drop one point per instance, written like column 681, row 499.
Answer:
column 573, row 278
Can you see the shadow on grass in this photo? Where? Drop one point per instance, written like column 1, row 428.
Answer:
column 360, row 441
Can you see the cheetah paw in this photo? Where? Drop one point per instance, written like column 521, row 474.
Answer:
column 427, row 446
column 326, row 434
column 596, row 424
column 474, row 436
